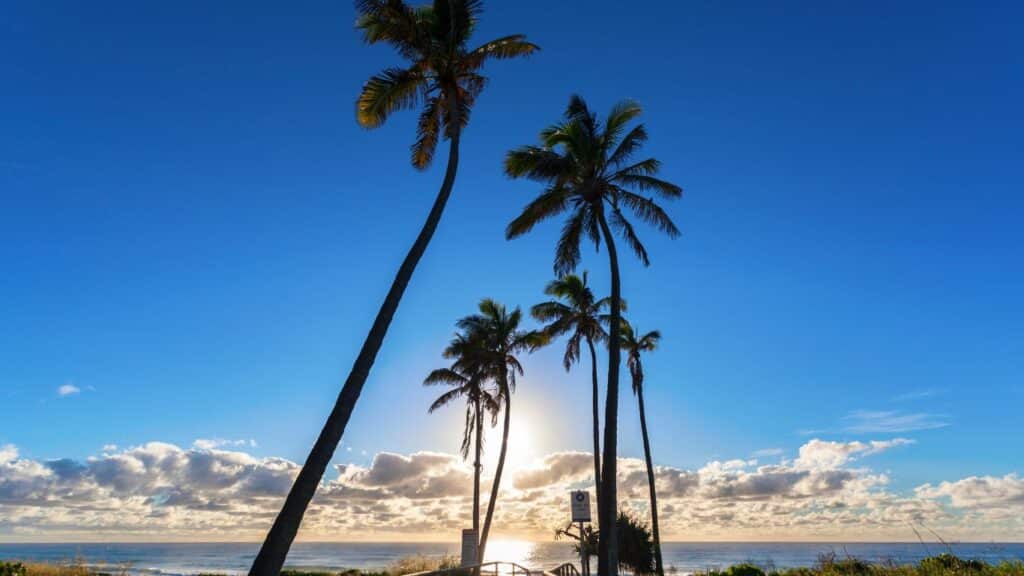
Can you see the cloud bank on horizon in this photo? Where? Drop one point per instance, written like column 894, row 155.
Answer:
column 159, row 491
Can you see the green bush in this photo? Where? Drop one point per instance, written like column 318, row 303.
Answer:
column 12, row 569
column 745, row 569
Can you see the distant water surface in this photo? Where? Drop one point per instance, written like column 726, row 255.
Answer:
column 234, row 558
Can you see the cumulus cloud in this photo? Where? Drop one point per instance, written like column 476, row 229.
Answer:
column 160, row 490
column 819, row 454
column 8, row 452
column 979, row 492
column 68, row 389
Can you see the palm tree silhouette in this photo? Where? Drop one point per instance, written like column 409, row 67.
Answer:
column 575, row 311
column 468, row 381
column 443, row 74
column 585, row 166
column 634, row 345
column 496, row 332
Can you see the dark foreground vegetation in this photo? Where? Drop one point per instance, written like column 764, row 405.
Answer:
column 833, row 565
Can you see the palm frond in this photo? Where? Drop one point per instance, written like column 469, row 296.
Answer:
column 647, row 183
column 535, row 163
column 428, row 130
column 394, row 22
column 630, row 143
column 621, row 114
column 647, row 167
column 549, row 204
column 391, row 90
column 619, row 222
column 567, row 252
column 648, row 210
column 446, row 398
column 513, row 46
column 550, row 311
column 445, row 376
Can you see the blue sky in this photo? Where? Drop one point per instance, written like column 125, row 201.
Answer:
column 195, row 233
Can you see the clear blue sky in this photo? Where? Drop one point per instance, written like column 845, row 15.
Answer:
column 195, row 233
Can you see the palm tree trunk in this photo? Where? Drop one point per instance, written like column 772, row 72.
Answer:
column 476, row 474
column 659, row 569
column 275, row 547
column 498, row 471
column 608, row 547
column 597, row 425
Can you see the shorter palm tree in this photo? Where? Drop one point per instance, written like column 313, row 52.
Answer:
column 497, row 339
column 467, row 382
column 633, row 346
column 575, row 311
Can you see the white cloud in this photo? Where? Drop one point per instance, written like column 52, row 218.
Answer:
column 68, row 389
column 211, row 443
column 162, row 491
column 979, row 492
column 8, row 453
column 822, row 455
column 891, row 421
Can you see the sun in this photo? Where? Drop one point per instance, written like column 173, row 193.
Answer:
column 521, row 447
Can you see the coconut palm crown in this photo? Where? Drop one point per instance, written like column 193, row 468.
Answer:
column 587, row 167
column 442, row 72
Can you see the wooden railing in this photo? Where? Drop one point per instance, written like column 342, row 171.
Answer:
column 567, row 569
column 501, row 569
column 485, row 569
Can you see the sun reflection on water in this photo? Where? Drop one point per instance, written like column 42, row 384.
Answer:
column 517, row 551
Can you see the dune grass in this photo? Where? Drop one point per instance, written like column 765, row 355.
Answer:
column 833, row 565
column 80, row 567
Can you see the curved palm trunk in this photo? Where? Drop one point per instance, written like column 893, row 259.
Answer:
column 597, row 425
column 608, row 548
column 275, row 547
column 476, row 473
column 497, row 472
column 658, row 567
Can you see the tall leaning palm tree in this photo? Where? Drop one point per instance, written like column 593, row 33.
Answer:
column 634, row 346
column 469, row 383
column 576, row 312
column 499, row 339
column 587, row 169
column 443, row 74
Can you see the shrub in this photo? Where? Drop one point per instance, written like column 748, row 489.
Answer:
column 745, row 569
column 12, row 569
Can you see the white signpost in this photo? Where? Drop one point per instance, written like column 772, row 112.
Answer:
column 579, row 504
column 470, row 547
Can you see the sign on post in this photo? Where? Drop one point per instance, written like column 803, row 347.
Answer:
column 580, row 505
column 470, row 547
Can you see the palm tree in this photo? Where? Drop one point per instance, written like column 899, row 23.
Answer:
column 577, row 312
column 586, row 168
column 496, row 331
column 480, row 400
column 443, row 74
column 634, row 345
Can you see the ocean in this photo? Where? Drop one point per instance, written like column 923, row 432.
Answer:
column 234, row 558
